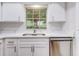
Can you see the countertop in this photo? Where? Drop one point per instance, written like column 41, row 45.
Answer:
column 46, row 36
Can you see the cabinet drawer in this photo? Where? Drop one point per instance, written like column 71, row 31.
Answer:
column 34, row 43
column 34, row 40
column 10, row 41
column 29, row 45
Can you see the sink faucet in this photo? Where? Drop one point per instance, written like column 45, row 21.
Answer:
column 34, row 31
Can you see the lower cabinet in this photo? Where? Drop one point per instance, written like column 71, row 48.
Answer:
column 10, row 47
column 27, row 47
column 1, row 47
column 32, row 50
column 41, row 51
column 36, row 47
column 33, row 47
column 24, row 50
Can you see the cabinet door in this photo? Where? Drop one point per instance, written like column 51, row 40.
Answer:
column 13, row 12
column 41, row 50
column 33, row 47
column 1, row 47
column 56, row 12
column 24, row 50
column 24, row 47
column 10, row 47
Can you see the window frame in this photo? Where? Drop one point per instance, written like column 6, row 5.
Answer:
column 39, row 17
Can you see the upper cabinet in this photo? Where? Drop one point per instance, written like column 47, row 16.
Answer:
column 13, row 12
column 56, row 12
column 56, row 16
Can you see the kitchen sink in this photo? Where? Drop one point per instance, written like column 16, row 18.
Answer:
column 33, row 34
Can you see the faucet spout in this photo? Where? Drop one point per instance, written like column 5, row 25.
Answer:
column 34, row 31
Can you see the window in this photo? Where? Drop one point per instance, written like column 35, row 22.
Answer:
column 36, row 18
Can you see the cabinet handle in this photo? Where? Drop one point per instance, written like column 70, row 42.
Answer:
column 32, row 49
column 15, row 49
column 10, row 42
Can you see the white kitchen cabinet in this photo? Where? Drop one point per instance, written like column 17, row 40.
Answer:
column 24, row 50
column 33, row 47
column 13, row 12
column 41, row 50
column 33, row 50
column 1, row 47
column 56, row 17
column 56, row 12
column 26, row 47
column 10, row 47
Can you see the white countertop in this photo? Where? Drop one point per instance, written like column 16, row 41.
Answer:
column 18, row 35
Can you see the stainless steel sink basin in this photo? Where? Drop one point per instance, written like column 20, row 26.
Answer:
column 33, row 34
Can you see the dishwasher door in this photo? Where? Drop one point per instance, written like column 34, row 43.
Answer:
column 60, row 47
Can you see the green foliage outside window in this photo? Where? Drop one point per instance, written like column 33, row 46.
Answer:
column 34, row 16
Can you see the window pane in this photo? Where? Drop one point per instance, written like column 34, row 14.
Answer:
column 29, row 11
column 42, row 24
column 36, row 18
column 43, row 11
column 35, row 15
column 42, row 15
column 36, row 11
column 29, row 16
column 30, row 23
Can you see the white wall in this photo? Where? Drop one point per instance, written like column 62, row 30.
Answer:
column 77, row 16
column 0, row 11
column 69, row 26
column 76, row 41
